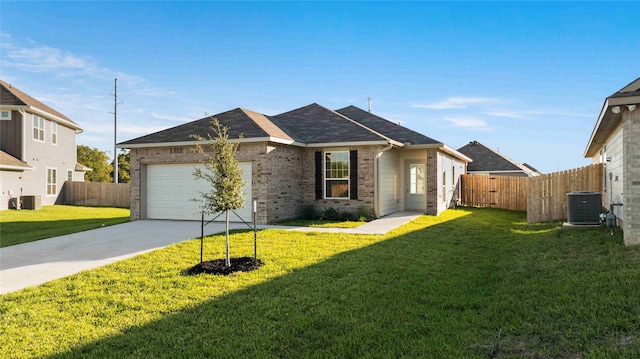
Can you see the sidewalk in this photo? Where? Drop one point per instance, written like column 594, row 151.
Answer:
column 35, row 263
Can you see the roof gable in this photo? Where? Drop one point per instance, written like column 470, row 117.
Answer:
column 608, row 120
column 12, row 96
column 486, row 159
column 317, row 124
column 386, row 127
column 243, row 122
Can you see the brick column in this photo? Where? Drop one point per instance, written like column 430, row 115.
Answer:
column 432, row 181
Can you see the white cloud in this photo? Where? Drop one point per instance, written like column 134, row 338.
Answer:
column 456, row 102
column 507, row 114
column 469, row 123
column 29, row 56
column 44, row 58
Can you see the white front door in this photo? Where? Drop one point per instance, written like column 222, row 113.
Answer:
column 416, row 179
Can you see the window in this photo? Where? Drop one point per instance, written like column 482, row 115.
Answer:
column 38, row 128
column 5, row 115
column 444, row 186
column 51, row 182
column 336, row 174
column 54, row 133
column 416, row 178
column 453, row 176
column 69, row 175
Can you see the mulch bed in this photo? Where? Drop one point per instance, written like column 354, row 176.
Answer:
column 243, row 264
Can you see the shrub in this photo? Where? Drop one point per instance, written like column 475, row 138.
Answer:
column 309, row 212
column 346, row 216
column 365, row 214
column 330, row 214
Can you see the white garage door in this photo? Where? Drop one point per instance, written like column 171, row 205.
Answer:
column 171, row 188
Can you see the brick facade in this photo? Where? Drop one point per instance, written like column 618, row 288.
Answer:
column 631, row 194
column 366, row 178
column 432, row 181
column 276, row 169
column 283, row 178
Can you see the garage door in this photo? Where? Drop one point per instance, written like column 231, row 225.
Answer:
column 171, row 189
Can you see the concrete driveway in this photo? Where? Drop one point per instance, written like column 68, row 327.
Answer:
column 35, row 263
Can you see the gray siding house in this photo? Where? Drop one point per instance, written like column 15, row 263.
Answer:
column 37, row 149
column 615, row 142
column 310, row 156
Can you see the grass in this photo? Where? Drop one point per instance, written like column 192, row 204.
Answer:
column 26, row 226
column 321, row 223
column 468, row 283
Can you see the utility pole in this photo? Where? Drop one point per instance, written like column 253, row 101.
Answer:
column 115, row 130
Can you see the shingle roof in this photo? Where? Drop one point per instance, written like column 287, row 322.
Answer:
column 386, row 127
column 311, row 124
column 531, row 168
column 317, row 124
column 9, row 162
column 486, row 159
column 240, row 121
column 11, row 96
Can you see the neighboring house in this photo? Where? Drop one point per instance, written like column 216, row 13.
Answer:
column 490, row 162
column 311, row 156
column 615, row 142
column 37, row 149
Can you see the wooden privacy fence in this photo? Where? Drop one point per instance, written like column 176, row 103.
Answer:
column 506, row 192
column 97, row 194
column 547, row 200
column 543, row 197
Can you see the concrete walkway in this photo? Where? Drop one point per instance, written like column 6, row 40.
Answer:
column 34, row 263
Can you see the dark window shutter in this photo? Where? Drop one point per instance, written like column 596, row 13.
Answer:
column 353, row 173
column 318, row 175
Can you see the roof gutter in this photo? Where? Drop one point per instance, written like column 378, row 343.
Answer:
column 16, row 168
column 194, row 142
column 608, row 104
column 263, row 139
column 22, row 108
column 439, row 146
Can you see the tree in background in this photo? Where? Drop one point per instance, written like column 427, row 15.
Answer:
column 124, row 165
column 98, row 161
column 223, row 173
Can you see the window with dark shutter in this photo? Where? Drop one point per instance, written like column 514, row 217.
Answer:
column 319, row 184
column 353, row 173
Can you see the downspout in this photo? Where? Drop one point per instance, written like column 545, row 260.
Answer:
column 376, row 169
column 24, row 135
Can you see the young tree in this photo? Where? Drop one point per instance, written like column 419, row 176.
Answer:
column 98, row 161
column 223, row 173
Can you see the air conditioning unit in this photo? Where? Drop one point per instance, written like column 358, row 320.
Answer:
column 584, row 207
column 31, row 202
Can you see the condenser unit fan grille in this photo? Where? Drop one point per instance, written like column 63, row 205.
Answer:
column 584, row 207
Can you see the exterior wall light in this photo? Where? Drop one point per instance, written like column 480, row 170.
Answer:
column 631, row 107
column 615, row 109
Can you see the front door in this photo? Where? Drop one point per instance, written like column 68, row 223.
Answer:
column 416, row 186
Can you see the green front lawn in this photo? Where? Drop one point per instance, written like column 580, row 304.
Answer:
column 469, row 283
column 26, row 226
column 319, row 223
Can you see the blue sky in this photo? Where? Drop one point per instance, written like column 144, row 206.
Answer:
column 528, row 79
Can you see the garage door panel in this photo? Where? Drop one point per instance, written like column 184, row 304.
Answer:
column 172, row 188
